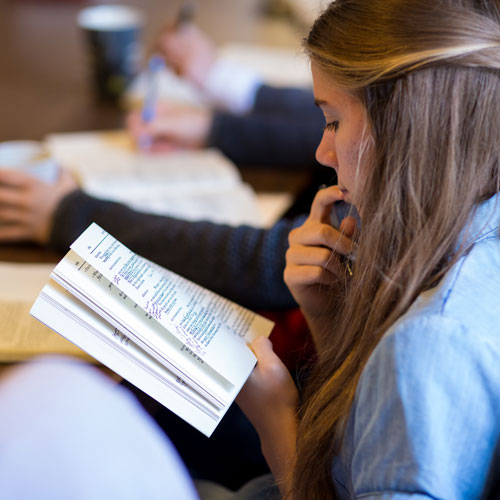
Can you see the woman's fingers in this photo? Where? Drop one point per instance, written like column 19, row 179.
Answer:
column 302, row 276
column 305, row 257
column 308, row 255
column 348, row 226
column 269, row 389
column 14, row 215
column 14, row 224
column 12, row 198
column 263, row 350
column 189, row 51
column 179, row 126
column 322, row 203
column 27, row 204
column 15, row 179
column 11, row 233
column 313, row 261
column 317, row 234
column 163, row 146
column 11, row 215
column 15, row 188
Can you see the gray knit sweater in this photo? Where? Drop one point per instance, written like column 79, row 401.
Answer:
column 244, row 264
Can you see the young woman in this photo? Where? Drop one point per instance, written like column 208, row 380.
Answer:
column 405, row 396
column 404, row 399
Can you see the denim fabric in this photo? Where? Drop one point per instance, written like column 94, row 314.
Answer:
column 426, row 417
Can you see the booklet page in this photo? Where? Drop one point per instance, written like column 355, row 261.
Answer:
column 93, row 289
column 61, row 311
column 214, row 328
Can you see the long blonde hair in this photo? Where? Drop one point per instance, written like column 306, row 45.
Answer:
column 428, row 72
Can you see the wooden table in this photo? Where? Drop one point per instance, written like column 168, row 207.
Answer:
column 27, row 252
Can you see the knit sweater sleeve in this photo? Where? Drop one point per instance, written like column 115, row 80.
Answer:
column 244, row 264
column 283, row 130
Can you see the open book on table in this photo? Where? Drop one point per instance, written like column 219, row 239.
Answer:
column 21, row 336
column 192, row 185
column 180, row 343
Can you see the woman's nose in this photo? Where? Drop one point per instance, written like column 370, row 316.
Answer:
column 326, row 153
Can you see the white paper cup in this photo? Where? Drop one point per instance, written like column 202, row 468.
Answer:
column 30, row 157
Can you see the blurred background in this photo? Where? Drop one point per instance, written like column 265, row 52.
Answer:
column 45, row 82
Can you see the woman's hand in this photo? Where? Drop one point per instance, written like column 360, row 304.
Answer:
column 188, row 50
column 173, row 127
column 269, row 399
column 269, row 392
column 27, row 205
column 313, row 263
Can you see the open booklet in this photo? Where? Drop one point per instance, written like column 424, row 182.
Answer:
column 180, row 343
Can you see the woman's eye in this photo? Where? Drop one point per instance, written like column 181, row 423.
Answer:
column 332, row 126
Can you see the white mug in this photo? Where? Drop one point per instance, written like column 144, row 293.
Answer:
column 30, row 157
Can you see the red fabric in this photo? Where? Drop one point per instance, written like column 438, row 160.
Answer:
column 290, row 337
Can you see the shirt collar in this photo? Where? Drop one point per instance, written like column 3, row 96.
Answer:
column 485, row 221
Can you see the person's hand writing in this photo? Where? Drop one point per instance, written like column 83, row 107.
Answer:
column 172, row 128
column 188, row 51
column 313, row 263
column 27, row 205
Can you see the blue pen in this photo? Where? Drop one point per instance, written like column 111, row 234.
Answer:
column 155, row 65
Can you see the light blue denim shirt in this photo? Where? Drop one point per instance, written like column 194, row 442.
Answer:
column 426, row 417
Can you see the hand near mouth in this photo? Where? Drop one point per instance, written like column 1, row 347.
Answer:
column 315, row 259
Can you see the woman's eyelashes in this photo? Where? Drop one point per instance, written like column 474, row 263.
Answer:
column 332, row 126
